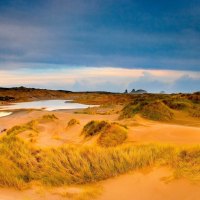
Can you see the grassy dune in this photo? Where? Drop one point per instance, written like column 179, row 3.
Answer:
column 161, row 107
column 154, row 110
column 110, row 134
column 21, row 163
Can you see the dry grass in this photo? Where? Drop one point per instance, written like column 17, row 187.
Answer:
column 21, row 163
column 30, row 126
column 157, row 111
column 48, row 118
column 73, row 122
column 95, row 127
column 154, row 110
column 104, row 109
column 110, row 134
column 84, row 192
column 115, row 135
column 195, row 112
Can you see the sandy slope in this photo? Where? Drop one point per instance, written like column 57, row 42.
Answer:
column 12, row 194
column 53, row 133
column 147, row 186
column 154, row 184
column 139, row 130
column 150, row 131
column 137, row 186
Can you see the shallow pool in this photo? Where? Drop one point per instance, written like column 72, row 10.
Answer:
column 48, row 105
column 3, row 114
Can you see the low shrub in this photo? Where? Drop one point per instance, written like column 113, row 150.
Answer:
column 178, row 104
column 72, row 122
column 51, row 117
column 95, row 127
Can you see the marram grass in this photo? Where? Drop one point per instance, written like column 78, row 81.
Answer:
column 21, row 163
column 109, row 134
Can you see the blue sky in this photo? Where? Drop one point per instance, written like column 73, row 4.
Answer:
column 57, row 38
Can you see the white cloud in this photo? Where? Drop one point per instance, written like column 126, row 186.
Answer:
column 104, row 78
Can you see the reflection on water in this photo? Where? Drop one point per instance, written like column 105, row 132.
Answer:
column 3, row 114
column 49, row 105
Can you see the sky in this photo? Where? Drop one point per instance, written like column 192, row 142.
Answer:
column 109, row 45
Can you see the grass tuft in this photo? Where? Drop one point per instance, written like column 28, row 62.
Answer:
column 21, row 163
column 73, row 122
column 49, row 117
column 95, row 127
column 32, row 126
column 110, row 134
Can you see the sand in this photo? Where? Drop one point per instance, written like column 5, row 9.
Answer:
column 154, row 184
column 137, row 185
column 146, row 131
column 147, row 186
column 139, row 130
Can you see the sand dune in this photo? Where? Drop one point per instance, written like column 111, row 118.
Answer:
column 140, row 130
column 154, row 184
column 146, row 186
column 137, row 186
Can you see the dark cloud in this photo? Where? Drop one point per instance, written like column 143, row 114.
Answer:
column 122, row 33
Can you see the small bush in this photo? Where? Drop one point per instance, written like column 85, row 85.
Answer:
column 73, row 122
column 49, row 117
column 95, row 127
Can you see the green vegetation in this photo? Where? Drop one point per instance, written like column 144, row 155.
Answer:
column 161, row 106
column 72, row 122
column 157, row 111
column 21, row 163
column 154, row 110
column 178, row 104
